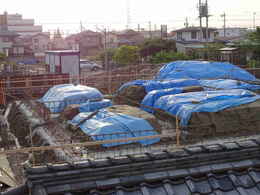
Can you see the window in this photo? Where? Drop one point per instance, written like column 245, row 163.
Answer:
column 5, row 39
column 179, row 35
column 36, row 40
column 194, row 35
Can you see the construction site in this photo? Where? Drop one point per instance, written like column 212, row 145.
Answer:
column 60, row 133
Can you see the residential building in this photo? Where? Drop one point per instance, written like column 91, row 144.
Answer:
column 151, row 34
column 195, row 34
column 190, row 39
column 40, row 42
column 58, row 42
column 88, row 42
column 129, row 37
column 232, row 32
column 16, row 23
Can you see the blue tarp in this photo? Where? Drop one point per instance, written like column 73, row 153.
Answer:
column 94, row 106
column 203, row 70
column 183, row 105
column 154, row 95
column 227, row 84
column 59, row 97
column 151, row 85
column 108, row 126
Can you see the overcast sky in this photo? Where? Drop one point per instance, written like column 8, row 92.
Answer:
column 66, row 15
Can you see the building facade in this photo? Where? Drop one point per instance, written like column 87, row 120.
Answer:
column 232, row 32
column 195, row 34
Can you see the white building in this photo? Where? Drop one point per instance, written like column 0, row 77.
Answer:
column 16, row 23
column 232, row 32
column 195, row 34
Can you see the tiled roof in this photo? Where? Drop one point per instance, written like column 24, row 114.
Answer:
column 228, row 168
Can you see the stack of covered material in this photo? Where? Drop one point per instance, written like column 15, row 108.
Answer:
column 222, row 103
column 59, row 97
column 118, row 122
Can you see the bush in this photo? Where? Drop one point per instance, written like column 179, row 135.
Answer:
column 164, row 57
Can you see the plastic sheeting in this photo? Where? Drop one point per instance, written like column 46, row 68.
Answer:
column 57, row 98
column 108, row 126
column 203, row 70
column 227, row 84
column 154, row 95
column 151, row 85
column 183, row 105
column 94, row 106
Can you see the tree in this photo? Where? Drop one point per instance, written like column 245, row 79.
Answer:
column 2, row 57
column 110, row 53
column 152, row 46
column 164, row 57
column 254, row 37
column 125, row 55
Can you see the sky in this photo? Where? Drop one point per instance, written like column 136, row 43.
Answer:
column 99, row 14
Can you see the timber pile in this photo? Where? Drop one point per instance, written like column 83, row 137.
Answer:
column 238, row 121
column 120, row 109
column 133, row 95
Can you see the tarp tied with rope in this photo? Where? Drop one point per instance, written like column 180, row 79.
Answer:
column 106, row 125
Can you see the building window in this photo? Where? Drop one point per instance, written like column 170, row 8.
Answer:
column 36, row 41
column 179, row 35
column 6, row 39
column 194, row 35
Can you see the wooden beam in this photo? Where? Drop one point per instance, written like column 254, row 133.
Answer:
column 85, row 144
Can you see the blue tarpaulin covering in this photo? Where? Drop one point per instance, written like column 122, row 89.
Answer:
column 203, row 70
column 94, row 106
column 59, row 97
column 108, row 126
column 151, row 85
column 227, row 84
column 154, row 95
column 183, row 105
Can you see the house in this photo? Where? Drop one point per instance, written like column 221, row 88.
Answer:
column 7, row 46
column 230, row 168
column 88, row 42
column 151, row 34
column 129, row 37
column 40, row 42
column 193, row 38
column 232, row 32
column 195, row 34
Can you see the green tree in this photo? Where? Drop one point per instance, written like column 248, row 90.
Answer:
column 110, row 53
column 152, row 46
column 125, row 55
column 254, row 37
column 164, row 57
column 211, row 50
column 2, row 57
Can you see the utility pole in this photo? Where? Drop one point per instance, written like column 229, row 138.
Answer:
column 105, row 49
column 186, row 24
column 224, row 17
column 254, row 14
column 200, row 17
column 207, row 22
column 150, row 29
column 81, row 27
